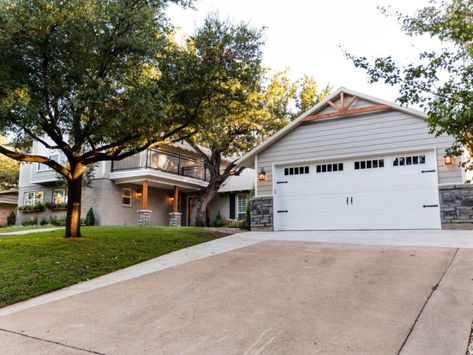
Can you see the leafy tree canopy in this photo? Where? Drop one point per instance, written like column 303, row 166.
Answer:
column 84, row 77
column 441, row 82
column 9, row 170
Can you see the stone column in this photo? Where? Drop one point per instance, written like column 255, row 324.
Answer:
column 175, row 219
column 144, row 218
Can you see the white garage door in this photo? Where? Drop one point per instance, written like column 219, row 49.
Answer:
column 396, row 191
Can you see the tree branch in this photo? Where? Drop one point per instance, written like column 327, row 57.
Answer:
column 35, row 159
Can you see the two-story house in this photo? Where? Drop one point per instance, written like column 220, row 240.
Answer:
column 163, row 180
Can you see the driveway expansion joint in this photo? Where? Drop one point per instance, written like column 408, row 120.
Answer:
column 434, row 288
column 50, row 341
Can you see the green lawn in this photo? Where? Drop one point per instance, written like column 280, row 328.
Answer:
column 37, row 263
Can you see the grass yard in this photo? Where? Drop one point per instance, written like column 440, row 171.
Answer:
column 37, row 263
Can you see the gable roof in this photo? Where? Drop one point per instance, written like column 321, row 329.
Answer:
column 248, row 158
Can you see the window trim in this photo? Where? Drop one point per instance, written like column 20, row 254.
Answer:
column 48, row 168
column 34, row 200
column 125, row 196
column 64, row 197
column 237, row 205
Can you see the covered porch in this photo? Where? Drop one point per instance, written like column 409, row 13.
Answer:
column 159, row 200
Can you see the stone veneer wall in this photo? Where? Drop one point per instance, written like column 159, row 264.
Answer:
column 261, row 213
column 456, row 205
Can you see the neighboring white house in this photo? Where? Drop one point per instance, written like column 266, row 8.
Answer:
column 358, row 162
column 163, row 180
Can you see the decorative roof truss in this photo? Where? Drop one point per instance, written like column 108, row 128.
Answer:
column 343, row 108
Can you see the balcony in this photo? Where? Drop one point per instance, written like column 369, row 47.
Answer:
column 161, row 160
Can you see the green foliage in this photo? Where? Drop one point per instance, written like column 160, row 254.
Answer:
column 38, row 263
column 56, row 206
column 284, row 99
column 11, row 219
column 441, row 82
column 38, row 207
column 219, row 222
column 90, row 218
column 88, row 78
column 30, row 222
column 57, row 221
column 43, row 222
column 9, row 170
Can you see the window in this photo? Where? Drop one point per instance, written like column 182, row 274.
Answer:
column 33, row 198
column 369, row 164
column 55, row 157
column 410, row 160
column 324, row 168
column 298, row 170
column 127, row 196
column 242, row 203
column 59, row 196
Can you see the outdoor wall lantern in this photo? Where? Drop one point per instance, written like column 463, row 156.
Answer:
column 448, row 159
column 262, row 175
column 138, row 195
column 170, row 200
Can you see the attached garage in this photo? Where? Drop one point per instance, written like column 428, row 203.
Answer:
column 352, row 162
column 392, row 191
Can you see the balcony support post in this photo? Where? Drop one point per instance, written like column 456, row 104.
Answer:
column 145, row 195
column 175, row 200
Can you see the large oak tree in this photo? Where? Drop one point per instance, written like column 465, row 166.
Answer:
column 239, row 105
column 84, row 77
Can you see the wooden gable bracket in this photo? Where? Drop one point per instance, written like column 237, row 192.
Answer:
column 344, row 109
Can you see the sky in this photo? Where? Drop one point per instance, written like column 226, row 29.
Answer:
column 305, row 36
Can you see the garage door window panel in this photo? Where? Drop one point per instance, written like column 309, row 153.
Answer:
column 329, row 168
column 409, row 160
column 299, row 170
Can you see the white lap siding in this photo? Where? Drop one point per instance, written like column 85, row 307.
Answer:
column 373, row 133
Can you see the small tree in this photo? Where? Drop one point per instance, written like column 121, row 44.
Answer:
column 11, row 219
column 90, row 218
column 441, row 82
column 84, row 78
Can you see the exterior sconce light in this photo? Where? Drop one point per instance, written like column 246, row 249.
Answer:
column 262, row 175
column 170, row 199
column 138, row 195
column 448, row 159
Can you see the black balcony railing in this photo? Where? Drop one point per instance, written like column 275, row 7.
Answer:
column 157, row 159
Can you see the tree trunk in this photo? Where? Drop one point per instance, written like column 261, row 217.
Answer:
column 199, row 208
column 74, row 199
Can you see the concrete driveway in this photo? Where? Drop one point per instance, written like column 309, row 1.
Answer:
column 266, row 293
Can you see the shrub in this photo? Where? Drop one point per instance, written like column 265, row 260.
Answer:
column 43, row 222
column 11, row 219
column 57, row 221
column 235, row 223
column 30, row 222
column 218, row 222
column 90, row 218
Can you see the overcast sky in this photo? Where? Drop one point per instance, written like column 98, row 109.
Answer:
column 304, row 35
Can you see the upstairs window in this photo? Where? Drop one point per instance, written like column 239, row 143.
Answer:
column 55, row 157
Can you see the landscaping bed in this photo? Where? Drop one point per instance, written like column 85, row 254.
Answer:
column 38, row 263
